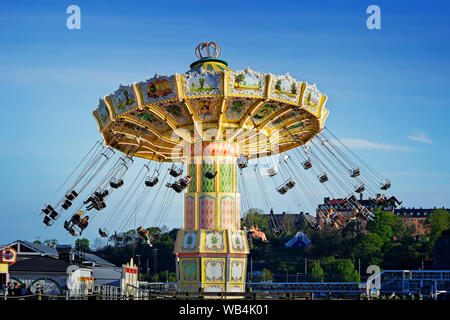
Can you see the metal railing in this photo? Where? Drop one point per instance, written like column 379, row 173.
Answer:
column 424, row 282
column 314, row 287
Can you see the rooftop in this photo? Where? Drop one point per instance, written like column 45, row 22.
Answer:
column 26, row 248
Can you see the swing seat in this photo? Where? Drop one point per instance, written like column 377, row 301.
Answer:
column 175, row 172
column 272, row 172
column 185, row 182
column 182, row 184
column 72, row 231
column 282, row 189
column 210, row 175
column 103, row 233
column 355, row 172
column 323, row 178
column 100, row 205
column 66, row 205
column 47, row 221
column 360, row 188
column 71, row 195
column 53, row 215
column 242, row 162
column 177, row 188
column 47, row 209
column 151, row 182
column 290, row 183
column 307, row 164
column 101, row 194
column 76, row 217
column 114, row 183
column 386, row 185
column 67, row 225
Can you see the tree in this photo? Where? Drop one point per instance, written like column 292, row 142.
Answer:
column 278, row 85
column 346, row 271
column 386, row 225
column 155, row 278
column 51, row 243
column 438, row 221
column 37, row 242
column 254, row 217
column 239, row 78
column 267, row 275
column 316, row 274
column 369, row 249
column 293, row 88
column 202, row 82
column 82, row 245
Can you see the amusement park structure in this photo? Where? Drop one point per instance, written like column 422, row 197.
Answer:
column 213, row 120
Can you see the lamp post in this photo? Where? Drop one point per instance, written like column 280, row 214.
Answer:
column 287, row 274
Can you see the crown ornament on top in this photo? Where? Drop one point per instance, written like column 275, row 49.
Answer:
column 208, row 49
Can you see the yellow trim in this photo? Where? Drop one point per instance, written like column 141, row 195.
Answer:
column 302, row 91
column 138, row 93
column 178, row 86
column 268, row 86
column 109, row 105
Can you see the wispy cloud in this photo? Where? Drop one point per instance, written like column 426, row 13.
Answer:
column 420, row 137
column 365, row 144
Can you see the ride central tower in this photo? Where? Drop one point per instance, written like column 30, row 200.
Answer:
column 211, row 251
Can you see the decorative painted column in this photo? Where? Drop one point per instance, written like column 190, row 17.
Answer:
column 211, row 251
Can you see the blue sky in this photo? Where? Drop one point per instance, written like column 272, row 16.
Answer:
column 387, row 89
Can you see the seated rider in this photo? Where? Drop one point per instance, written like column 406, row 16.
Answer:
column 77, row 217
column 185, row 181
column 393, row 200
column 102, row 233
column 97, row 197
column 145, row 234
column 180, row 185
column 70, row 228
column 84, row 222
column 98, row 204
column 256, row 233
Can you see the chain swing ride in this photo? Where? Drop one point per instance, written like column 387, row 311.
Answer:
column 203, row 131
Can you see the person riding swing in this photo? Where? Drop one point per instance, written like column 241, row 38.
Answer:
column 256, row 233
column 145, row 235
column 180, row 185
